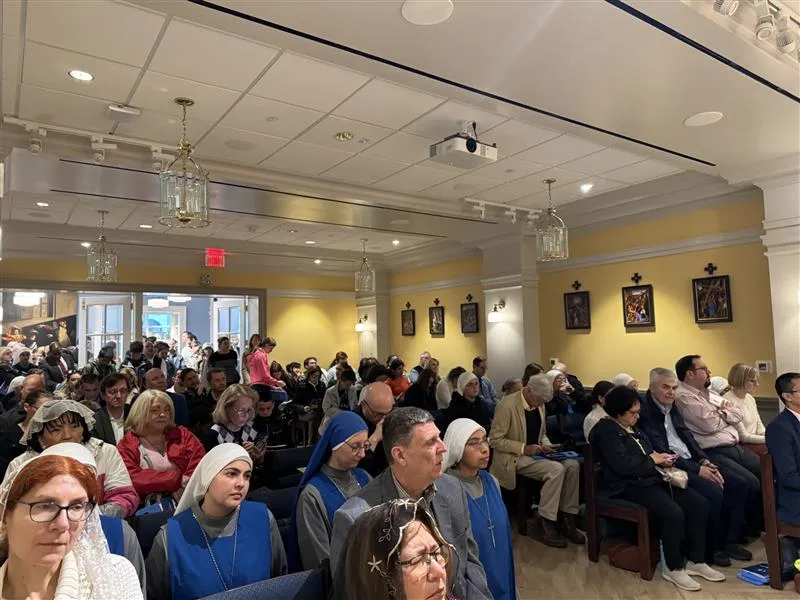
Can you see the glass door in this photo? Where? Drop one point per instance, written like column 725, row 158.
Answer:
column 163, row 323
column 103, row 319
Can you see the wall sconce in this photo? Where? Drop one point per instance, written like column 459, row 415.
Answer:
column 361, row 326
column 496, row 314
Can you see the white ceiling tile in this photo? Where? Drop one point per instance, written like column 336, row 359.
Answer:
column 44, row 215
column 159, row 127
column 157, row 91
column 364, row 136
column 60, row 108
column 414, row 179
column 603, row 161
column 529, row 185
column 144, row 215
column 513, row 136
column 460, row 187
column 507, row 169
column 643, row 171
column 307, row 159
column 402, row 147
column 309, row 83
column 10, row 58
column 86, row 27
column 12, row 14
column 387, row 104
column 599, row 186
column 247, row 229
column 216, row 58
column 444, row 120
column 237, row 145
column 49, row 67
column 561, row 196
column 87, row 216
column 559, row 150
column 363, row 169
column 203, row 232
column 9, row 91
column 270, row 117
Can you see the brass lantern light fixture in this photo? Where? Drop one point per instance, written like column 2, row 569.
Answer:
column 365, row 276
column 183, row 194
column 101, row 260
column 552, row 237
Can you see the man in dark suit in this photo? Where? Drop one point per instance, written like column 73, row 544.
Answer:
column 415, row 453
column 783, row 441
column 56, row 366
column 725, row 490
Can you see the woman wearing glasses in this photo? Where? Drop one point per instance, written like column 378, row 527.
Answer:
column 216, row 541
column 233, row 418
column 160, row 456
column 398, row 553
column 52, row 540
column 467, row 458
column 331, row 477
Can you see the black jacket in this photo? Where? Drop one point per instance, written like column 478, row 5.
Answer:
column 622, row 460
column 374, row 460
column 460, row 408
column 416, row 396
column 102, row 425
column 10, row 436
column 652, row 423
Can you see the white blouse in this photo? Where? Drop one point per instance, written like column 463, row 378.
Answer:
column 751, row 429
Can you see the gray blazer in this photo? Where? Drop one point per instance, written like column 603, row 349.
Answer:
column 451, row 511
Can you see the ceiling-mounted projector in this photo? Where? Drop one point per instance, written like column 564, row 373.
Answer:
column 464, row 150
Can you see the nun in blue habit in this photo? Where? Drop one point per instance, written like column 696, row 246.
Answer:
column 330, row 478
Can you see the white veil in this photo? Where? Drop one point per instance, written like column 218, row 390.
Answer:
column 213, row 462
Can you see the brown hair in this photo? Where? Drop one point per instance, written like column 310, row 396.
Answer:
column 530, row 370
column 740, row 374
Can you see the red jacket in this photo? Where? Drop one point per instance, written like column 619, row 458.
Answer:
column 184, row 450
column 258, row 367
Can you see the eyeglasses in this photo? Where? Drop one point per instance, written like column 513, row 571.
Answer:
column 242, row 412
column 116, row 392
column 157, row 412
column 373, row 411
column 421, row 563
column 356, row 448
column 706, row 369
column 478, row 443
column 46, row 512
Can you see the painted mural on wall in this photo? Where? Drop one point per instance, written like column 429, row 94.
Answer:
column 62, row 330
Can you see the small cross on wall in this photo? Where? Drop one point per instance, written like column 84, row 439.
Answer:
column 576, row 285
column 710, row 268
column 469, row 297
column 636, row 278
column 408, row 305
column 436, row 302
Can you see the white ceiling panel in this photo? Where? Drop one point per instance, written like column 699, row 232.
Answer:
column 508, row 169
column 513, row 136
column 157, row 91
column 600, row 185
column 643, row 171
column 290, row 233
column 364, row 135
column 44, row 215
column 248, row 228
column 39, row 104
column 215, row 58
column 401, row 147
column 9, row 91
column 270, row 117
column 387, row 104
column 363, row 169
column 605, row 160
column 561, row 196
column 460, row 187
column 163, row 128
column 309, row 83
column 87, row 216
column 237, row 145
column 414, row 179
column 12, row 14
column 144, row 215
column 49, row 67
column 86, row 27
column 529, row 185
column 57, row 202
column 444, row 120
column 560, row 150
column 307, row 159
column 10, row 58
column 202, row 232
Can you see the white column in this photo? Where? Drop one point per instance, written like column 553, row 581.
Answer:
column 782, row 242
column 374, row 340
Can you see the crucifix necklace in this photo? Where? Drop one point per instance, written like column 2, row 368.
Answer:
column 488, row 513
column 214, row 559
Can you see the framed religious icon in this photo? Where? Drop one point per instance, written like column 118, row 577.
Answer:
column 712, row 299
column 637, row 306
column 436, row 320
column 408, row 322
column 469, row 318
column 577, row 314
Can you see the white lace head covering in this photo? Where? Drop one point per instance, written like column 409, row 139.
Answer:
column 52, row 410
column 213, row 462
column 458, row 433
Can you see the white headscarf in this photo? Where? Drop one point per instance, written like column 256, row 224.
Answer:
column 52, row 410
column 213, row 462
column 458, row 433
column 622, row 379
column 463, row 381
column 553, row 373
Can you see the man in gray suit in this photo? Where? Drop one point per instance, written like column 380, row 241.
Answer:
column 415, row 453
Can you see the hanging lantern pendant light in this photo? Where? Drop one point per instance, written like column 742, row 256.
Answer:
column 101, row 260
column 552, row 237
column 365, row 276
column 183, row 193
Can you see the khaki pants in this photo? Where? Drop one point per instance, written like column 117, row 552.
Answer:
column 561, row 484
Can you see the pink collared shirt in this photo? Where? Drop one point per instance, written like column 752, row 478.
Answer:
column 711, row 424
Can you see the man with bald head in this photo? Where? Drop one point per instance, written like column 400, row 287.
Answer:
column 154, row 379
column 376, row 401
column 32, row 395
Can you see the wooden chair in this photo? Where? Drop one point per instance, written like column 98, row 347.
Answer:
column 615, row 509
column 773, row 527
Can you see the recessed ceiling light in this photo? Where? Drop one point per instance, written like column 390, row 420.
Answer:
column 271, row 119
column 317, row 261
column 704, row 118
column 395, row 242
column 79, row 75
column 42, row 204
column 145, row 226
column 427, row 12
column 86, row 244
column 293, row 231
column 587, row 187
column 241, row 145
column 344, row 136
column 310, row 242
column 364, row 141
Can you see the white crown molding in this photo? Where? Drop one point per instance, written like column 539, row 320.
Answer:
column 763, row 174
column 508, row 282
column 703, row 242
column 429, row 254
column 434, row 285
column 277, row 293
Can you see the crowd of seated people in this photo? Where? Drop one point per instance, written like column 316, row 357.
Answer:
column 404, row 487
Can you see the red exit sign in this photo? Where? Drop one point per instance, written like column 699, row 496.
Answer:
column 215, row 257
